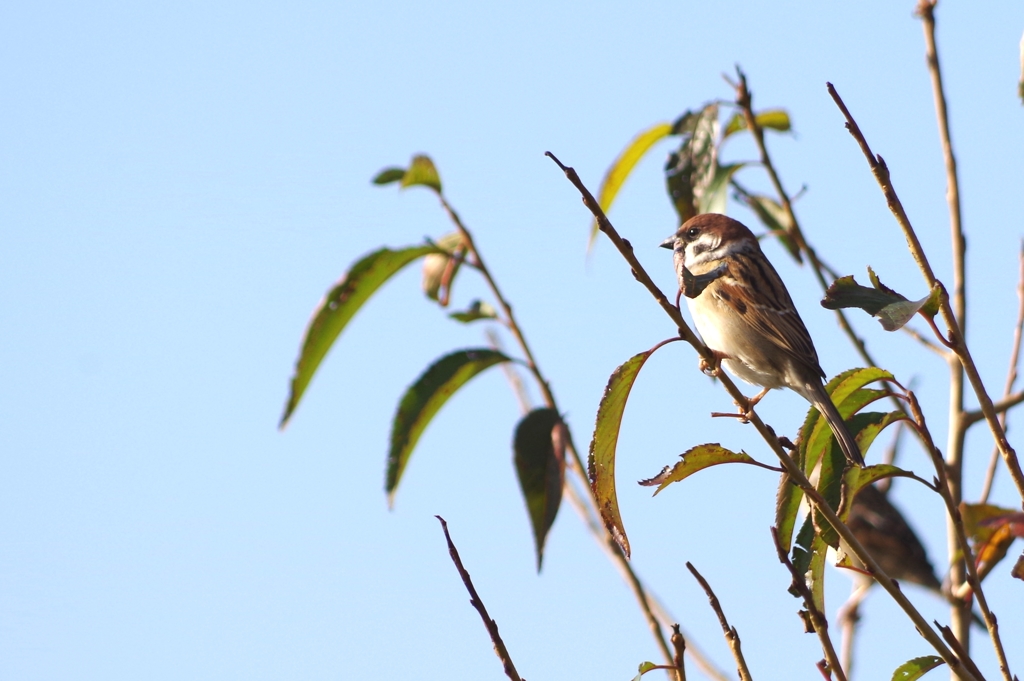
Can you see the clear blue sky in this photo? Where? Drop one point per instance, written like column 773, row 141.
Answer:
column 179, row 185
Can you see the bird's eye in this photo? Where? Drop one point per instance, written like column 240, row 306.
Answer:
column 693, row 232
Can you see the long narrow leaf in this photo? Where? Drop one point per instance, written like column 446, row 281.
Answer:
column 338, row 307
column 696, row 459
column 606, row 438
column 424, row 399
column 623, row 165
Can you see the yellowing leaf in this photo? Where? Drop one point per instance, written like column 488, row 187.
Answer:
column 622, row 166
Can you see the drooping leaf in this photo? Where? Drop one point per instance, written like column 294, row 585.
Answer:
column 623, row 165
column 646, row 667
column 787, row 506
column 829, row 486
column 338, row 307
column 691, row 169
column 422, row 172
column 539, row 448
column 892, row 309
column 776, row 219
column 802, row 549
column 605, row 440
column 389, row 175
column 696, row 459
column 912, row 670
column 991, row 530
column 424, row 398
column 769, row 119
column 816, row 572
column 476, row 310
column 439, row 269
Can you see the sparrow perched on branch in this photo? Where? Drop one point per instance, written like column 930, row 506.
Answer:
column 745, row 316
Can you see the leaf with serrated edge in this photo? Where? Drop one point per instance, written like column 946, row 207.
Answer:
column 539, row 454
column 911, row 670
column 623, row 165
column 425, row 397
column 422, row 172
column 605, row 440
column 338, row 307
column 696, row 459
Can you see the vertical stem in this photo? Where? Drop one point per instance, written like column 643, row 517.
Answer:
column 961, row 615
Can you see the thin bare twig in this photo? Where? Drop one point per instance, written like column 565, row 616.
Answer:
column 961, row 545
column 474, row 600
column 848, row 617
column 881, row 173
column 731, row 635
column 796, row 474
column 549, row 399
column 1001, row 407
column 817, row 618
column 511, row 375
column 1011, row 375
column 958, row 305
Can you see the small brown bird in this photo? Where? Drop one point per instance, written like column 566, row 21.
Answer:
column 745, row 315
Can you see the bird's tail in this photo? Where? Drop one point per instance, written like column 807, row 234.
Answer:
column 846, row 440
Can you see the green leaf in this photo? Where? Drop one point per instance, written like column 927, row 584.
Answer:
column 911, row 670
column 696, row 459
column 770, row 119
column 691, row 169
column 712, row 198
column 425, row 397
column 787, row 506
column 338, row 307
column 539, row 447
column 856, row 478
column 439, row 269
column 892, row 309
column 422, row 172
column 776, row 219
column 802, row 549
column 623, row 165
column 646, row 667
column 816, row 438
column 389, row 175
column 476, row 310
column 605, row 440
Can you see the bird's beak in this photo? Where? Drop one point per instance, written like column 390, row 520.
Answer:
column 669, row 243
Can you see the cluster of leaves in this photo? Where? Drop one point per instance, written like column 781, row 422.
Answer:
column 697, row 181
column 540, row 437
